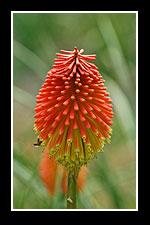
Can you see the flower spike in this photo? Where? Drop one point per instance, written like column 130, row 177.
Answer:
column 74, row 110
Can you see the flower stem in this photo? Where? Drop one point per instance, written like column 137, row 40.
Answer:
column 71, row 191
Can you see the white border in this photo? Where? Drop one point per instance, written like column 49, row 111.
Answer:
column 136, row 12
column 12, row 111
column 137, row 111
column 74, row 11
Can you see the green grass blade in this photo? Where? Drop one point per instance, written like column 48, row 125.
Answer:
column 29, row 59
column 23, row 97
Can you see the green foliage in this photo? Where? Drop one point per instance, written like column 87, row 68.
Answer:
column 111, row 179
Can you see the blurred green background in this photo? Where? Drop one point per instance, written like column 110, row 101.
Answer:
column 111, row 179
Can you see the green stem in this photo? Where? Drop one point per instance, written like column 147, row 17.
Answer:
column 71, row 191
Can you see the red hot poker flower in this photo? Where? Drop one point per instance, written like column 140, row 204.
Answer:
column 74, row 110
